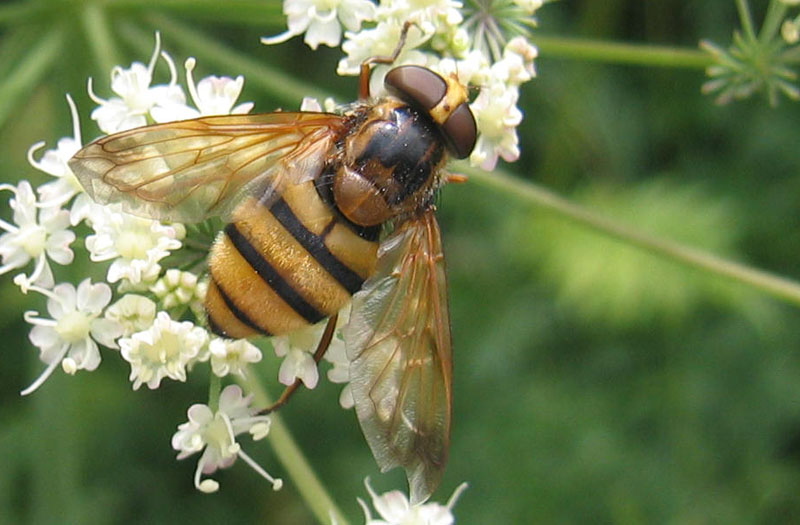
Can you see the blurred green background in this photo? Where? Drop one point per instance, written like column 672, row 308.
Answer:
column 593, row 382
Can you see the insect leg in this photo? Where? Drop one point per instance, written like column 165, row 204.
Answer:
column 363, row 79
column 322, row 347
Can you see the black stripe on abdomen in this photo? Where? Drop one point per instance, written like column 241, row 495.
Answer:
column 215, row 328
column 271, row 276
column 235, row 310
column 315, row 245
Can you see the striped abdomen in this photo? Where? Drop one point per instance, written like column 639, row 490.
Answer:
column 275, row 270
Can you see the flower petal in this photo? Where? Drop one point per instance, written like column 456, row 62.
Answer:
column 93, row 297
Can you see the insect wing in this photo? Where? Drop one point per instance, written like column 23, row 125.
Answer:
column 189, row 170
column 398, row 342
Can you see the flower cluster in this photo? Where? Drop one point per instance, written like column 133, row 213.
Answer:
column 141, row 310
column 484, row 43
column 756, row 62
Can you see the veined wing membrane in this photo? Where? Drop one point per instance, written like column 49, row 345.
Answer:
column 398, row 342
column 192, row 169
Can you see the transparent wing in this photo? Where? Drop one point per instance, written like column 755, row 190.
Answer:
column 189, row 170
column 398, row 342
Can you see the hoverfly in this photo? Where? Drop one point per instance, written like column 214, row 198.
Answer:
column 310, row 199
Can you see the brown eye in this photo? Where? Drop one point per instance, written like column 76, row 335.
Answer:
column 426, row 90
column 416, row 85
column 460, row 131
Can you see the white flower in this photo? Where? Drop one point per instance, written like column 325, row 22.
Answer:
column 215, row 433
column 163, row 350
column 216, row 95
column 69, row 337
column 54, row 162
column 497, row 117
column 37, row 234
column 232, row 357
column 322, row 20
column 135, row 313
column 517, row 61
column 395, row 509
column 136, row 244
column 429, row 15
column 312, row 104
column 340, row 373
column 177, row 288
column 434, row 21
column 297, row 350
column 136, row 97
column 533, row 5
column 790, row 31
column 472, row 69
column 212, row 96
column 379, row 41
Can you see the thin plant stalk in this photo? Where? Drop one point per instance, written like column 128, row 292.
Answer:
column 620, row 53
column 294, row 461
column 774, row 285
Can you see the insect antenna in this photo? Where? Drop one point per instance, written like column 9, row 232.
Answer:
column 363, row 79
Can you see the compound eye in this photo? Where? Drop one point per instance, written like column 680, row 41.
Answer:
column 460, row 131
column 426, row 90
column 416, row 85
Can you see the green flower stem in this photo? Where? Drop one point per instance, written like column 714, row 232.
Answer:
column 56, row 476
column 772, row 21
column 746, row 19
column 214, row 389
column 22, row 81
column 293, row 460
column 614, row 52
column 791, row 55
column 98, row 33
column 774, row 285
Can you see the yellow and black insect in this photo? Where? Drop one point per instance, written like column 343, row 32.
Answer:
column 310, row 197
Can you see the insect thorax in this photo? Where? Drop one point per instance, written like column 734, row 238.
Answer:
column 389, row 164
